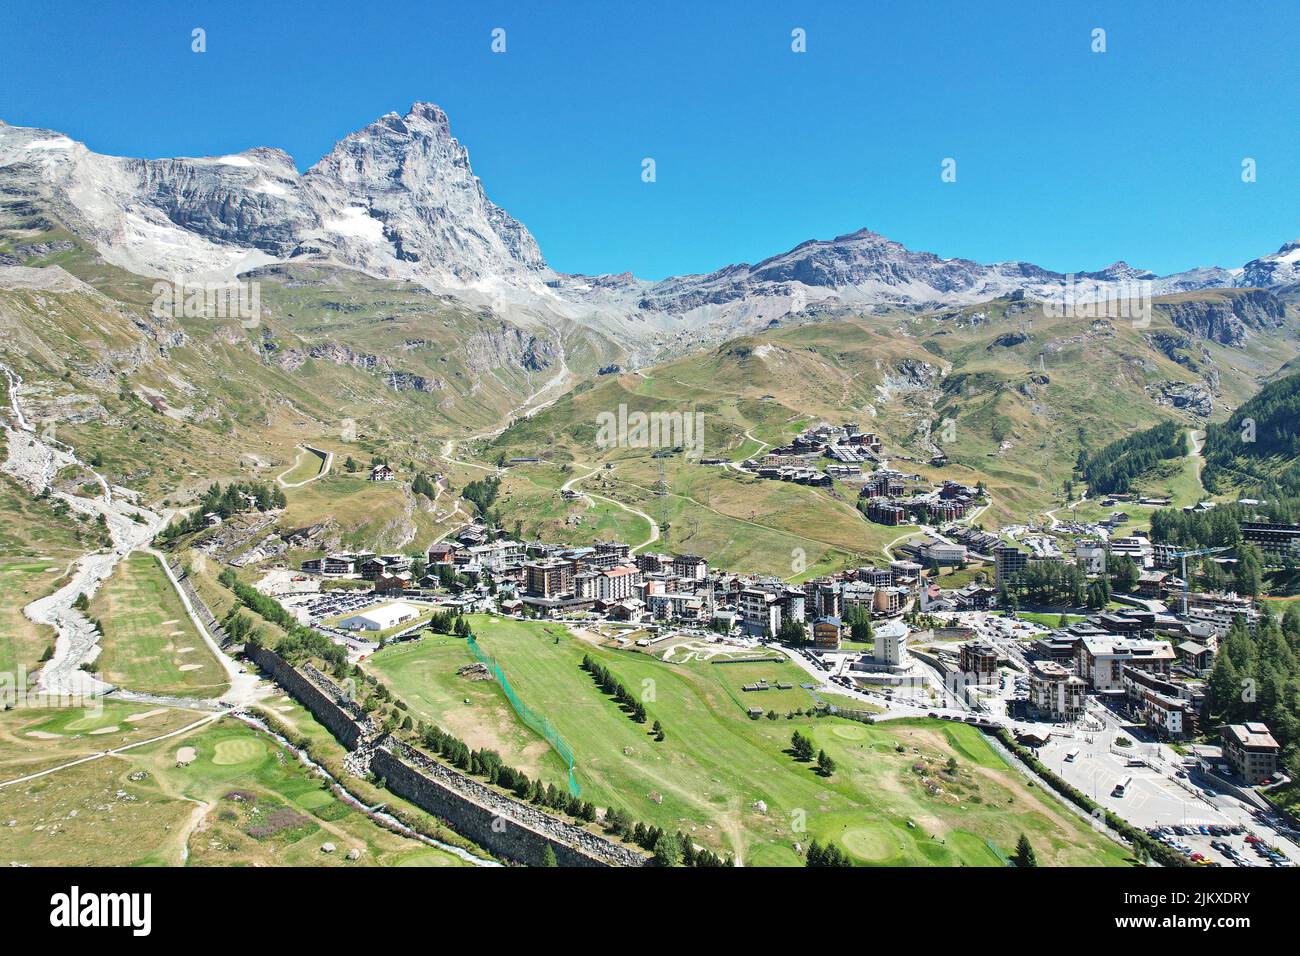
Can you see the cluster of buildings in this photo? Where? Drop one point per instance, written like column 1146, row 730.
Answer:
column 552, row 580
column 1128, row 657
column 884, row 493
column 845, row 445
column 1119, row 657
column 387, row 572
column 1150, row 664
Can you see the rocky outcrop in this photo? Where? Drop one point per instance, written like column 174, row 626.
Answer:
column 35, row 250
column 499, row 345
column 1009, row 340
column 290, row 360
column 1192, row 397
column 1227, row 320
column 913, row 373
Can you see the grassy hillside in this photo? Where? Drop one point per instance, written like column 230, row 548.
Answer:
column 726, row 780
column 1009, row 394
column 221, row 794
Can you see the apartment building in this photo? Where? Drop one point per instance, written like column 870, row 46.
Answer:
column 1161, row 704
column 1101, row 659
column 1251, row 751
column 1056, row 692
column 618, row 583
column 690, row 567
column 549, row 577
column 759, row 611
column 979, row 662
column 827, row 632
column 1272, row 538
column 1009, row 561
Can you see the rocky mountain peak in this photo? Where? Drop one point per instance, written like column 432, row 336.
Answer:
column 402, row 188
column 398, row 198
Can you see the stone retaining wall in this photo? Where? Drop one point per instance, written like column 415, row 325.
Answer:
column 509, row 828
column 205, row 615
column 327, row 702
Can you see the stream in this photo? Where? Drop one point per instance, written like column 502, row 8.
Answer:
column 377, row 813
column 34, row 460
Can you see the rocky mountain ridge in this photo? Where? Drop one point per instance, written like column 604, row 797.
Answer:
column 398, row 199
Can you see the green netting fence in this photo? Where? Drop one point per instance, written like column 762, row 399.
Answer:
column 532, row 718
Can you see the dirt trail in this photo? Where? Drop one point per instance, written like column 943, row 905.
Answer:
column 328, row 457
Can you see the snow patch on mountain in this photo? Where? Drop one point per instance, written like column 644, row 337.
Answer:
column 398, row 199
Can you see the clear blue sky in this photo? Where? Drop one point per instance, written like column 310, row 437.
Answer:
column 1065, row 157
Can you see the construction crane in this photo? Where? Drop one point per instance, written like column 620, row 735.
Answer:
column 1182, row 556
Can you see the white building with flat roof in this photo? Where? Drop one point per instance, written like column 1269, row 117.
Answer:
column 890, row 644
column 380, row 618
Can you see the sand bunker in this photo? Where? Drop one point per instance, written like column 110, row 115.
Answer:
column 176, row 634
column 175, row 620
column 145, row 715
column 190, row 667
column 183, row 650
column 43, row 735
column 186, row 754
column 112, row 729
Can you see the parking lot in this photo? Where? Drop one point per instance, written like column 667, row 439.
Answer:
column 1224, row 845
column 1164, row 797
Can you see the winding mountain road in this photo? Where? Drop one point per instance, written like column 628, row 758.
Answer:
column 654, row 525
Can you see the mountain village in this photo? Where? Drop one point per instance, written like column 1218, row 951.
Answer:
column 1113, row 701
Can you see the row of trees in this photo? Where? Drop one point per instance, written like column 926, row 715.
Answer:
column 489, row 765
column 1144, row 845
column 611, row 685
column 299, row 642
column 669, row 849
